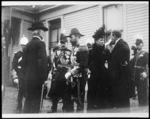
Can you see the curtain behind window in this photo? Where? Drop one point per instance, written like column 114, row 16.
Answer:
column 113, row 17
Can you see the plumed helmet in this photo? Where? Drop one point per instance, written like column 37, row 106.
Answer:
column 23, row 40
column 99, row 33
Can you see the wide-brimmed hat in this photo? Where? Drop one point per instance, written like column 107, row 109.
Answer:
column 75, row 31
column 138, row 41
column 38, row 26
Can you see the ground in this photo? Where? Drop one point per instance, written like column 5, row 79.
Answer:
column 9, row 105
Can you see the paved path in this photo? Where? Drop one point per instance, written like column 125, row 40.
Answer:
column 9, row 105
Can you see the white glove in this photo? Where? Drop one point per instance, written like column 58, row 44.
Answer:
column 106, row 65
column 67, row 75
column 49, row 76
column 144, row 75
column 16, row 81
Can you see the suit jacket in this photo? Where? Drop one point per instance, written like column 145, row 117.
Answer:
column 118, row 66
column 35, row 60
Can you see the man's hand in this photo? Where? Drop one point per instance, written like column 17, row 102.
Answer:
column 16, row 81
column 67, row 75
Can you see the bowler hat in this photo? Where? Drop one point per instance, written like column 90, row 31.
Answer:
column 38, row 26
column 138, row 41
column 75, row 31
column 63, row 38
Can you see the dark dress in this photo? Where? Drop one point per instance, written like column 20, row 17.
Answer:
column 98, row 83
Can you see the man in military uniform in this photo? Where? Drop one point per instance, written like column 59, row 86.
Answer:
column 36, row 67
column 61, row 64
column 18, row 67
column 140, row 73
column 77, row 76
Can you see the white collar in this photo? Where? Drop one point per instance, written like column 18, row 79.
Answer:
column 38, row 37
column 117, row 40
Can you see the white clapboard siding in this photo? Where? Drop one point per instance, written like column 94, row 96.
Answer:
column 26, row 32
column 86, row 21
column 137, row 22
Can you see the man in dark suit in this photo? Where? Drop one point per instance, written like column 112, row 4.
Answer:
column 118, row 68
column 35, row 60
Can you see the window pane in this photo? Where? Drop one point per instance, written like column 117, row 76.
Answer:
column 113, row 17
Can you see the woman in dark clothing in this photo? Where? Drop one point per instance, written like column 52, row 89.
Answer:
column 97, row 84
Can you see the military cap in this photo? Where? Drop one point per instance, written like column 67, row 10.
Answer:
column 55, row 48
column 138, row 41
column 63, row 38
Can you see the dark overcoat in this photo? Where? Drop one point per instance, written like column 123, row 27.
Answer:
column 98, row 82
column 119, row 72
column 35, row 59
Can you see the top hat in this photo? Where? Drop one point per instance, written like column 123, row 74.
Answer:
column 99, row 33
column 138, row 41
column 38, row 26
column 75, row 31
column 63, row 38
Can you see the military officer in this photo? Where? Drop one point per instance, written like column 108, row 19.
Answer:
column 61, row 64
column 77, row 76
column 140, row 73
column 18, row 67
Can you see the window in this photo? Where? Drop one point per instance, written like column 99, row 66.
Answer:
column 113, row 17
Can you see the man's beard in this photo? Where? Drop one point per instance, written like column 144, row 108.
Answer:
column 74, row 43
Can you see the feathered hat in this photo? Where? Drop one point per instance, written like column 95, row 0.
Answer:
column 99, row 33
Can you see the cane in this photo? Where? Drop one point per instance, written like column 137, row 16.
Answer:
column 41, row 102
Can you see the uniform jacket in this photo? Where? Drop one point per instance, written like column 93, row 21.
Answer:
column 17, row 63
column 139, row 60
column 35, row 59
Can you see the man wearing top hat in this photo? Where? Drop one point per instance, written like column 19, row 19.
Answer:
column 35, row 64
column 77, row 76
column 140, row 68
column 61, row 64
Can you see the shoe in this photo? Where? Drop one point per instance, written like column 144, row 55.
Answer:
column 51, row 111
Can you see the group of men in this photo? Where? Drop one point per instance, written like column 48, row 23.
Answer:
column 111, row 75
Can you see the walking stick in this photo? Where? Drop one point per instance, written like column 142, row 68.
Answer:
column 41, row 102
